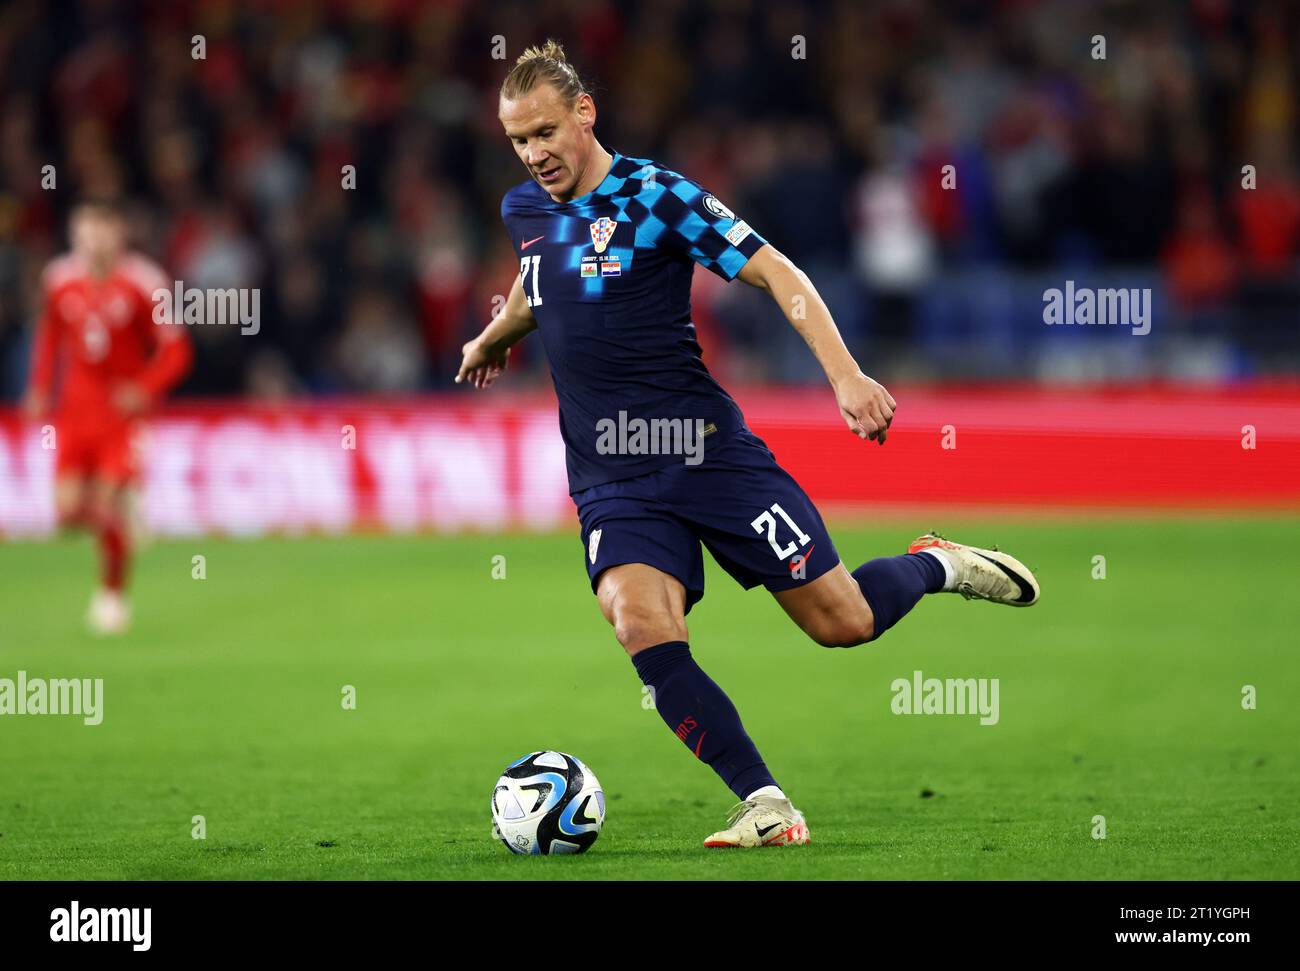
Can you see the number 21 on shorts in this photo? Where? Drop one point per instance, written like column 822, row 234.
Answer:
column 766, row 520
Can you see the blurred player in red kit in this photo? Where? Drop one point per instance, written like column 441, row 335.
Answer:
column 112, row 362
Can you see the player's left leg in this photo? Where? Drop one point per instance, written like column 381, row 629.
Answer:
column 762, row 527
column 109, row 612
column 110, row 519
column 843, row 609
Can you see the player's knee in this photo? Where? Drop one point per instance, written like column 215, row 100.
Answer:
column 637, row 627
column 98, row 511
column 844, row 631
column 69, row 511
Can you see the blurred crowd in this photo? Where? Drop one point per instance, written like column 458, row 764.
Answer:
column 825, row 125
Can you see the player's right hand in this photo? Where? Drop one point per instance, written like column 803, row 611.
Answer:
column 482, row 363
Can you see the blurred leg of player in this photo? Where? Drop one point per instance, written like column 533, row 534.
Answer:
column 109, row 612
column 95, row 467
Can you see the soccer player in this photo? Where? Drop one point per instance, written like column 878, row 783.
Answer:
column 607, row 245
column 114, row 363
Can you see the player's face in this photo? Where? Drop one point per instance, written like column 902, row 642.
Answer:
column 97, row 237
column 552, row 139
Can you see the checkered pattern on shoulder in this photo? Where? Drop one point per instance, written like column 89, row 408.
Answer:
column 671, row 212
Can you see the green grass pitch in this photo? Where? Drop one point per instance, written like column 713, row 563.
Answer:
column 1119, row 698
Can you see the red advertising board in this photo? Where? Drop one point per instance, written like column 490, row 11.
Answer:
column 493, row 462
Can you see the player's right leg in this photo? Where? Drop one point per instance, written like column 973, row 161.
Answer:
column 71, row 500
column 74, row 467
column 73, row 510
column 647, row 609
column 84, row 503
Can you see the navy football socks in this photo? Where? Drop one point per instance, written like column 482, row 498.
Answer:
column 702, row 716
column 894, row 584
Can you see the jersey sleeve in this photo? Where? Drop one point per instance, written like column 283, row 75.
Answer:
column 173, row 354
column 507, row 216
column 45, row 349
column 686, row 218
column 45, row 343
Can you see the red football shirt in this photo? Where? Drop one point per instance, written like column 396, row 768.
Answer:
column 99, row 332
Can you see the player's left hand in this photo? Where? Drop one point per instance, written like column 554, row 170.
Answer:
column 867, row 407
column 130, row 399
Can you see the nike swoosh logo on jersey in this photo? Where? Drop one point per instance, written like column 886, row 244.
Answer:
column 524, row 246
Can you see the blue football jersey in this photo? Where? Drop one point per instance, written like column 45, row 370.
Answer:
column 608, row 278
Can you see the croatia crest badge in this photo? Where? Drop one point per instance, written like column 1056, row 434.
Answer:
column 601, row 231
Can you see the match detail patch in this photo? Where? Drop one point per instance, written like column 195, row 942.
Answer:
column 737, row 233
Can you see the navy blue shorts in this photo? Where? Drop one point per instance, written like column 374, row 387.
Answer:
column 749, row 513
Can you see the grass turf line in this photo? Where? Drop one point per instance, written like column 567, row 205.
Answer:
column 1119, row 697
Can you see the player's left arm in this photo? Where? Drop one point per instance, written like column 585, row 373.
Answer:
column 173, row 354
column 690, row 220
column 867, row 407
column 171, row 360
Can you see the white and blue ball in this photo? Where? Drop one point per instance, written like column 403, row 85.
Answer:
column 547, row 802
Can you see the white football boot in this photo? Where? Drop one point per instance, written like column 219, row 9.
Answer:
column 108, row 613
column 980, row 574
column 763, row 821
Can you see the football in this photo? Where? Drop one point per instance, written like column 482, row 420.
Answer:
column 547, row 802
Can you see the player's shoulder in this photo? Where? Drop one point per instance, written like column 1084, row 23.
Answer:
column 523, row 197
column 645, row 176
column 668, row 194
column 142, row 273
column 61, row 271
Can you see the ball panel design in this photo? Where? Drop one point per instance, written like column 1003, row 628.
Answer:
column 547, row 803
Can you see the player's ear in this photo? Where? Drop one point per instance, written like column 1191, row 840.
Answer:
column 585, row 108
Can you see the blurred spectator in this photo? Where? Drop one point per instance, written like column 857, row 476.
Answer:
column 345, row 159
column 1199, row 262
column 378, row 350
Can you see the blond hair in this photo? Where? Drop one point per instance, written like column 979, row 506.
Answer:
column 544, row 65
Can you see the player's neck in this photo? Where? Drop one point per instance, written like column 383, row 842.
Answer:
column 598, row 167
column 101, row 269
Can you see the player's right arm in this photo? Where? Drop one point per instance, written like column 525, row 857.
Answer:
column 45, row 350
column 485, row 357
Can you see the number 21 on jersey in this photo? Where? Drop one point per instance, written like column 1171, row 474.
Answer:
column 535, row 263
